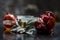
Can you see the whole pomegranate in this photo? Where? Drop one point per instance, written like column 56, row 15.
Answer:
column 45, row 22
column 9, row 21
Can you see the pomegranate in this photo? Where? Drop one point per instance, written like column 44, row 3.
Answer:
column 9, row 21
column 45, row 23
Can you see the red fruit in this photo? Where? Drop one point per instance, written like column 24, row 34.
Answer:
column 47, row 24
column 9, row 20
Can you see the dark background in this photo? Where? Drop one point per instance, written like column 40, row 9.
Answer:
column 20, row 7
